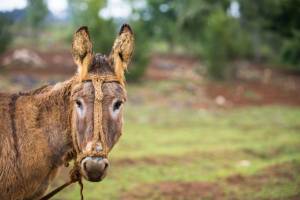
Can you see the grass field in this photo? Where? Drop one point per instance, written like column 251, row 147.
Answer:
column 165, row 153
column 179, row 145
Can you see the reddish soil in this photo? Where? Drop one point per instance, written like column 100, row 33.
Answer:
column 236, row 186
column 161, row 160
column 255, row 84
column 156, row 160
column 53, row 62
column 176, row 190
column 168, row 66
column 252, row 93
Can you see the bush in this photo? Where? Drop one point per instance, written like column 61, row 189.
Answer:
column 223, row 41
column 291, row 52
column 5, row 35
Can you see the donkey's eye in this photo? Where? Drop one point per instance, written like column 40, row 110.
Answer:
column 117, row 105
column 78, row 104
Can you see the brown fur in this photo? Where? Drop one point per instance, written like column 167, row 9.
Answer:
column 82, row 51
column 35, row 127
column 34, row 137
column 122, row 51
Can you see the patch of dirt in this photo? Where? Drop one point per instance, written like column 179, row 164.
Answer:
column 32, row 61
column 270, row 153
column 274, row 174
column 235, row 185
column 188, row 157
column 172, row 66
column 176, row 190
column 256, row 84
column 251, row 93
column 160, row 160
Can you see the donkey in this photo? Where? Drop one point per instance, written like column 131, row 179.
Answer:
column 79, row 119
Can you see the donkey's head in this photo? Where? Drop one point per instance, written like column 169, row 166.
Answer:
column 98, row 95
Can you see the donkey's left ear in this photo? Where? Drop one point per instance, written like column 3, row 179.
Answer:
column 82, row 51
column 122, row 50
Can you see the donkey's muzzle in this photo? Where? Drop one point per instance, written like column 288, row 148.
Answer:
column 94, row 168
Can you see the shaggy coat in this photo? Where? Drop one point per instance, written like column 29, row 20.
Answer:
column 36, row 126
column 34, row 138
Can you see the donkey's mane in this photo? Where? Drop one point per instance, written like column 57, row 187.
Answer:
column 36, row 91
column 39, row 90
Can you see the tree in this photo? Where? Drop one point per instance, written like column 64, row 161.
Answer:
column 278, row 27
column 284, row 21
column 5, row 35
column 160, row 18
column 223, row 42
column 36, row 13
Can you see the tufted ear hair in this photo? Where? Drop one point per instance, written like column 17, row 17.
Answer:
column 122, row 50
column 82, row 51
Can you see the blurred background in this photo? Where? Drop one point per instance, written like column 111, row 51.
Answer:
column 213, row 88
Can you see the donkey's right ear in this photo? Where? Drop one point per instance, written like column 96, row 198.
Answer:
column 82, row 51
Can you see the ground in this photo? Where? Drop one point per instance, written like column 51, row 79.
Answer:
column 189, row 138
column 246, row 153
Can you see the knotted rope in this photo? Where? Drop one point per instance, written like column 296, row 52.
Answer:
column 75, row 175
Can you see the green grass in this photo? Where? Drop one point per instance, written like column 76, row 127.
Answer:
column 165, row 144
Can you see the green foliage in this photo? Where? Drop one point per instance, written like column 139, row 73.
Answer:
column 217, row 39
column 284, row 21
column 291, row 51
column 221, row 44
column 36, row 13
column 193, row 17
column 275, row 25
column 202, row 28
column 5, row 35
column 160, row 19
column 262, row 31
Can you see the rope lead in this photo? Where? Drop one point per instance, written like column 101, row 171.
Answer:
column 75, row 176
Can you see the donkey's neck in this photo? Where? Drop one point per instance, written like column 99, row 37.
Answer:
column 35, row 139
column 54, row 119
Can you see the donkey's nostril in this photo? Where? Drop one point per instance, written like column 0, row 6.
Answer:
column 84, row 166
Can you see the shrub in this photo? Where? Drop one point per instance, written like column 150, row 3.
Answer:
column 223, row 41
column 5, row 35
column 291, row 52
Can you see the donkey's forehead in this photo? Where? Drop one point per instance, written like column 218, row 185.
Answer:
column 85, row 87
column 101, row 65
column 114, row 89
column 109, row 88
